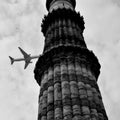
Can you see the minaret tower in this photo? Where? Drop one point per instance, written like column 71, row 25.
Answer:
column 67, row 71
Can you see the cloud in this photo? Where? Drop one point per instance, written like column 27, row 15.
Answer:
column 117, row 2
column 30, row 32
column 12, row 11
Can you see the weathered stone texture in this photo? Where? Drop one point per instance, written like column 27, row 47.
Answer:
column 68, row 95
column 67, row 72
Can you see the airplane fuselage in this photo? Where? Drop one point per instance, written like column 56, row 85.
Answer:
column 26, row 59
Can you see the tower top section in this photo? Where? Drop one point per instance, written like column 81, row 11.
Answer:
column 55, row 4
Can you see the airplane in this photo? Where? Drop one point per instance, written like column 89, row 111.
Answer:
column 27, row 58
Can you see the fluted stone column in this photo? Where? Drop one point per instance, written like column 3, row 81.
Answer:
column 67, row 71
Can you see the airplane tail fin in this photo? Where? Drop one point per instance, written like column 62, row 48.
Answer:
column 11, row 59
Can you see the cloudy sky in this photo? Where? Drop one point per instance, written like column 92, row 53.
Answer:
column 20, row 22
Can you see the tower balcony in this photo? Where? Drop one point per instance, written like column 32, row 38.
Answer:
column 55, row 4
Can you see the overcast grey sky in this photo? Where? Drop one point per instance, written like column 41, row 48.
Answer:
column 20, row 22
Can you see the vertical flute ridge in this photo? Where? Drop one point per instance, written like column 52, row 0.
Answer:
column 66, row 99
column 57, row 93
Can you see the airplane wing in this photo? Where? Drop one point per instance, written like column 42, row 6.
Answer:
column 23, row 52
column 26, row 64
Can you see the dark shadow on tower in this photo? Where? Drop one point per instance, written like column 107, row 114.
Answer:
column 67, row 71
